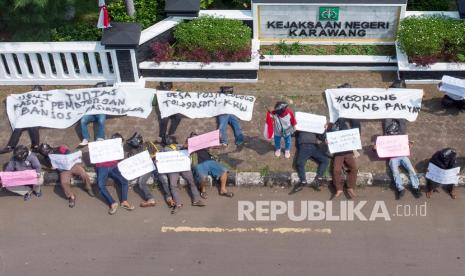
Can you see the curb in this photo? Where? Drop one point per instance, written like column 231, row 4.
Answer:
column 273, row 179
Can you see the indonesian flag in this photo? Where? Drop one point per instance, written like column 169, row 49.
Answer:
column 103, row 19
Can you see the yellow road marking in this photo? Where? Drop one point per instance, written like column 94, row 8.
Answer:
column 183, row 229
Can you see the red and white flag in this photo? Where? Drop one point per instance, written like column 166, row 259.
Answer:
column 103, row 19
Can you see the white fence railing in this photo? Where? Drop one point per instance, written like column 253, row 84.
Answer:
column 55, row 63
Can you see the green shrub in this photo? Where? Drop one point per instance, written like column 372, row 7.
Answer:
column 439, row 37
column 213, row 34
column 428, row 5
column 205, row 4
column 146, row 12
column 76, row 32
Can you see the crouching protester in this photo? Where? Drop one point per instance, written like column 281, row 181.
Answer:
column 445, row 159
column 110, row 169
column 398, row 127
column 24, row 160
column 307, row 148
column 171, row 193
column 205, row 165
column 66, row 175
column 344, row 160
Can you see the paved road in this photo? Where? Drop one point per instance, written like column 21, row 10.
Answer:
column 45, row 237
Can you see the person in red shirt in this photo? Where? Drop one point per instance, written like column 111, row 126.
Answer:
column 281, row 123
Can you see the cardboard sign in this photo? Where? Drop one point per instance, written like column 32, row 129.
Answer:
column 344, row 140
column 19, row 178
column 441, row 176
column 392, row 146
column 106, row 150
column 374, row 103
column 136, row 165
column 173, row 161
column 310, row 122
column 62, row 108
column 453, row 86
column 203, row 141
column 204, row 104
column 65, row 161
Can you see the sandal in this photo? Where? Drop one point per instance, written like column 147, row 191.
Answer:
column 127, row 207
column 176, row 208
column 113, row 209
column 149, row 203
column 71, row 202
column 171, row 202
column 204, row 195
column 227, row 194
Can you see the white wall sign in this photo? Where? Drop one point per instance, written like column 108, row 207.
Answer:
column 65, row 161
column 106, row 150
column 205, row 104
column 441, row 176
column 374, row 103
column 173, row 161
column 136, row 165
column 310, row 122
column 344, row 140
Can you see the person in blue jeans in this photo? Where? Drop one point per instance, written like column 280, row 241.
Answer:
column 107, row 170
column 280, row 123
column 228, row 119
column 99, row 119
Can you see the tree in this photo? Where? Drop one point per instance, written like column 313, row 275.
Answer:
column 130, row 10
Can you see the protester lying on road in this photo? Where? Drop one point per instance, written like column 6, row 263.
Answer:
column 444, row 159
column 110, row 169
column 281, row 123
column 23, row 160
column 229, row 119
column 65, row 175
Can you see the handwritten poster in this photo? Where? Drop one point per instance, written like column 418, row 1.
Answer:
column 65, row 161
column 442, row 176
column 374, row 103
column 173, row 161
column 204, row 104
column 203, row 141
column 136, row 165
column 310, row 122
column 106, row 150
column 62, row 108
column 19, row 178
column 344, row 140
column 392, row 146
column 454, row 86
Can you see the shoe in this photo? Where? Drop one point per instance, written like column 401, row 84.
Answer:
column 127, row 207
column 148, row 203
column 37, row 194
column 27, row 196
column 317, row 183
column 277, row 153
column 198, row 203
column 6, row 149
column 84, row 143
column 416, row 192
column 227, row 194
column 400, row 194
column 71, row 202
column 176, row 208
column 113, row 209
column 35, row 148
column 287, row 154
column 298, row 187
column 100, row 139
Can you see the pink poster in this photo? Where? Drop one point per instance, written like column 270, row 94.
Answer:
column 19, row 178
column 203, row 141
column 392, row 146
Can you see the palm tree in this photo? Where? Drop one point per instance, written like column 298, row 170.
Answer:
column 130, row 7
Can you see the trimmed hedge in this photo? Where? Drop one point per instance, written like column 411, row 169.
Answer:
column 429, row 39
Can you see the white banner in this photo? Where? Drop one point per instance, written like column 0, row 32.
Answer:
column 374, row 103
column 136, row 165
column 454, row 86
column 310, row 122
column 65, row 161
column 344, row 140
column 63, row 108
column 173, row 161
column 106, row 150
column 441, row 176
column 204, row 104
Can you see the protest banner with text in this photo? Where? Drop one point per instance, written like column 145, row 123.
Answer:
column 344, row 140
column 65, row 161
column 442, row 176
column 374, row 103
column 205, row 104
column 392, row 146
column 173, row 161
column 19, row 178
column 136, row 165
column 310, row 122
column 106, row 150
column 63, row 108
column 203, row 141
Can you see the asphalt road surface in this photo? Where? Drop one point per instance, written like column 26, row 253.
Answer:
column 45, row 237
